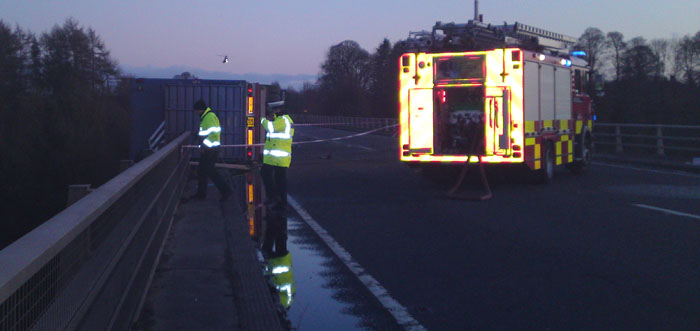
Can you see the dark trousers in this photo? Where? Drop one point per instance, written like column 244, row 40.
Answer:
column 275, row 243
column 275, row 181
column 207, row 169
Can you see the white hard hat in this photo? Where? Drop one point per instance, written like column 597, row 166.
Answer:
column 276, row 104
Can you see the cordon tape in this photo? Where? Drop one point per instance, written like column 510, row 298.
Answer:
column 304, row 142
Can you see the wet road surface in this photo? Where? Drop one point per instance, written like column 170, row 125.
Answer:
column 583, row 252
column 328, row 296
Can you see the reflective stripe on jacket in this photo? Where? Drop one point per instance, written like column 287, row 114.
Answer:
column 210, row 129
column 278, row 142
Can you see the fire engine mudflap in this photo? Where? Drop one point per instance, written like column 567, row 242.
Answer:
column 476, row 94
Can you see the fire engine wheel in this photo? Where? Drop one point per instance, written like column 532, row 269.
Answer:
column 584, row 154
column 546, row 174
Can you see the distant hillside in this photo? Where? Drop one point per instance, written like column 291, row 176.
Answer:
column 295, row 81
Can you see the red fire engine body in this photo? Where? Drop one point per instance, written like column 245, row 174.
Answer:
column 495, row 94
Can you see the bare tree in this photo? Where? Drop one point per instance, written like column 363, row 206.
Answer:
column 660, row 49
column 687, row 57
column 345, row 79
column 638, row 60
column 592, row 41
column 615, row 42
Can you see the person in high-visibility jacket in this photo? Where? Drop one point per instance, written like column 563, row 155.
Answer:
column 210, row 135
column 277, row 154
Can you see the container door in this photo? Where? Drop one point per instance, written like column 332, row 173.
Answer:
column 420, row 121
column 498, row 121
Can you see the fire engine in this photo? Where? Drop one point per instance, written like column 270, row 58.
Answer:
column 495, row 94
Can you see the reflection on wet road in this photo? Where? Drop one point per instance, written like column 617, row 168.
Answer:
column 327, row 296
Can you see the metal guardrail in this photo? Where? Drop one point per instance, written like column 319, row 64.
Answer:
column 662, row 140
column 88, row 266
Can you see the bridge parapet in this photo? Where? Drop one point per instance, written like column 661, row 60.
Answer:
column 88, row 266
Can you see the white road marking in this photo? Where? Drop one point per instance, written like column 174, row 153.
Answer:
column 648, row 170
column 394, row 307
column 667, row 211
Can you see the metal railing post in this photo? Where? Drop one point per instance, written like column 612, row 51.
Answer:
column 659, row 141
column 618, row 140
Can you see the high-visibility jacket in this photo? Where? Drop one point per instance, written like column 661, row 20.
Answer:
column 210, row 129
column 278, row 141
column 280, row 269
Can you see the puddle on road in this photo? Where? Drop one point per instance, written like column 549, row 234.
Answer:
column 318, row 303
column 326, row 296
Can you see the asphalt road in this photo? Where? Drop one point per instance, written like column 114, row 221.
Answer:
column 587, row 251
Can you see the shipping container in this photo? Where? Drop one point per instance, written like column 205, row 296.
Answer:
column 238, row 104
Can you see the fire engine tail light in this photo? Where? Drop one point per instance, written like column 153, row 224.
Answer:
column 405, row 63
column 249, row 153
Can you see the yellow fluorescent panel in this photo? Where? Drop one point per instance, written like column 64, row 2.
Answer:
column 250, row 137
column 250, row 105
column 250, row 193
column 579, row 125
column 251, row 225
column 530, row 126
column 529, row 141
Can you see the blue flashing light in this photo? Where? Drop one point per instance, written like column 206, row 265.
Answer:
column 578, row 53
column 595, row 117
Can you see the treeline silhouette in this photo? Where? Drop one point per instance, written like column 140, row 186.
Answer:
column 63, row 121
column 640, row 82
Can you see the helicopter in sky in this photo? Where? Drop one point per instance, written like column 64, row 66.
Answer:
column 225, row 60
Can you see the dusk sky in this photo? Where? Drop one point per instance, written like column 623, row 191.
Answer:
column 292, row 37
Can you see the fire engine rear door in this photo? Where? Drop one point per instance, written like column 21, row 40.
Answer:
column 420, row 121
column 497, row 121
